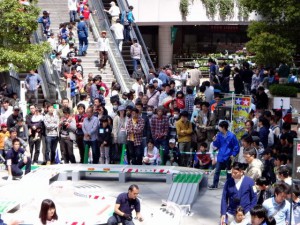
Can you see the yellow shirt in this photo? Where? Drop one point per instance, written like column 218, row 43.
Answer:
column 134, row 121
column 3, row 137
column 186, row 135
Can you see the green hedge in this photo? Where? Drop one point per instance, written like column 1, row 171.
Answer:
column 282, row 90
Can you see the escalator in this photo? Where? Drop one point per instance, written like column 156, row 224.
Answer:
column 146, row 61
column 100, row 21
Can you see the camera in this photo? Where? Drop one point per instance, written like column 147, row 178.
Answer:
column 237, row 201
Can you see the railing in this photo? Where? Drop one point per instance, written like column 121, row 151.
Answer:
column 53, row 85
column 135, row 33
column 114, row 55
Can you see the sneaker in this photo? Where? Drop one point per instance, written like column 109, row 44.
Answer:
column 48, row 163
column 212, row 187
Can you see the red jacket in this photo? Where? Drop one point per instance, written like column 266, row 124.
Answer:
column 79, row 120
column 106, row 88
column 204, row 158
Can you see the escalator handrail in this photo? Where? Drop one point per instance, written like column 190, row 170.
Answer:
column 124, row 7
column 98, row 5
column 51, row 78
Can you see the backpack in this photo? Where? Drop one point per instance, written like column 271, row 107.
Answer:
column 124, row 18
column 270, row 137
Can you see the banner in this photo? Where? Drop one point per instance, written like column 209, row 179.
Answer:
column 173, row 34
column 240, row 112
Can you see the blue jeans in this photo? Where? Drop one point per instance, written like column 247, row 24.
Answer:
column 126, row 32
column 221, row 166
column 83, row 45
column 135, row 62
column 51, row 144
column 73, row 15
column 95, row 150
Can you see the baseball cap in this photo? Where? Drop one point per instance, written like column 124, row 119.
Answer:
column 102, row 89
column 3, row 125
column 121, row 108
column 104, row 31
column 16, row 107
column 172, row 140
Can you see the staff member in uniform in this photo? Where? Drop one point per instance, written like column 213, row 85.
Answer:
column 125, row 204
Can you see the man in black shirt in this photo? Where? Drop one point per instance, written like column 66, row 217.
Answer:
column 14, row 117
column 125, row 204
column 16, row 158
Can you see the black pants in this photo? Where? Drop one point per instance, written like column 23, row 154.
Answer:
column 35, row 145
column 79, row 141
column 134, row 153
column 115, row 220
column 16, row 169
column 66, row 147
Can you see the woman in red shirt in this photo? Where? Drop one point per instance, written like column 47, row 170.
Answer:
column 180, row 100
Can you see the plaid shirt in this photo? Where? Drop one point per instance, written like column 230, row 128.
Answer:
column 159, row 127
column 189, row 103
column 136, row 130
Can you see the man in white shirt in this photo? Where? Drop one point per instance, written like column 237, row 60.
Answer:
column 118, row 30
column 63, row 48
column 52, row 42
column 114, row 11
column 103, row 44
column 72, row 5
column 138, row 87
column 57, row 63
column 5, row 111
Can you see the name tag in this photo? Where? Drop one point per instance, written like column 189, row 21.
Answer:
column 101, row 131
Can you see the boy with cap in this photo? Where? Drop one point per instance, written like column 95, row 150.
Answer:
column 103, row 45
column 172, row 154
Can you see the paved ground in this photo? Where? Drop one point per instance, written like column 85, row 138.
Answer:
column 70, row 207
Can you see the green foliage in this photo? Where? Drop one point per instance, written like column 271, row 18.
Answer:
column 226, row 9
column 279, row 17
column 211, row 7
column 270, row 49
column 184, row 8
column 244, row 12
column 17, row 24
column 281, row 90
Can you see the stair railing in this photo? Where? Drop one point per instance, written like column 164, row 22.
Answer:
column 135, row 33
column 101, row 22
column 52, row 85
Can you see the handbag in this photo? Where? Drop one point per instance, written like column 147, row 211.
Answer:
column 122, row 134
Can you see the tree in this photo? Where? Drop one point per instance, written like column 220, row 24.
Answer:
column 280, row 20
column 17, row 24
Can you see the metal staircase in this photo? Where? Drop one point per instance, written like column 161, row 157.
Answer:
column 101, row 22
column 146, row 61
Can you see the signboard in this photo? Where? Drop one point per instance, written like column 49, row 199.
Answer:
column 173, row 34
column 281, row 103
column 240, row 113
column 296, row 160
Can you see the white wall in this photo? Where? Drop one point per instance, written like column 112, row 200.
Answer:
column 155, row 12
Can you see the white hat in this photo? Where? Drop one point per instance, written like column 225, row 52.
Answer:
column 172, row 140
